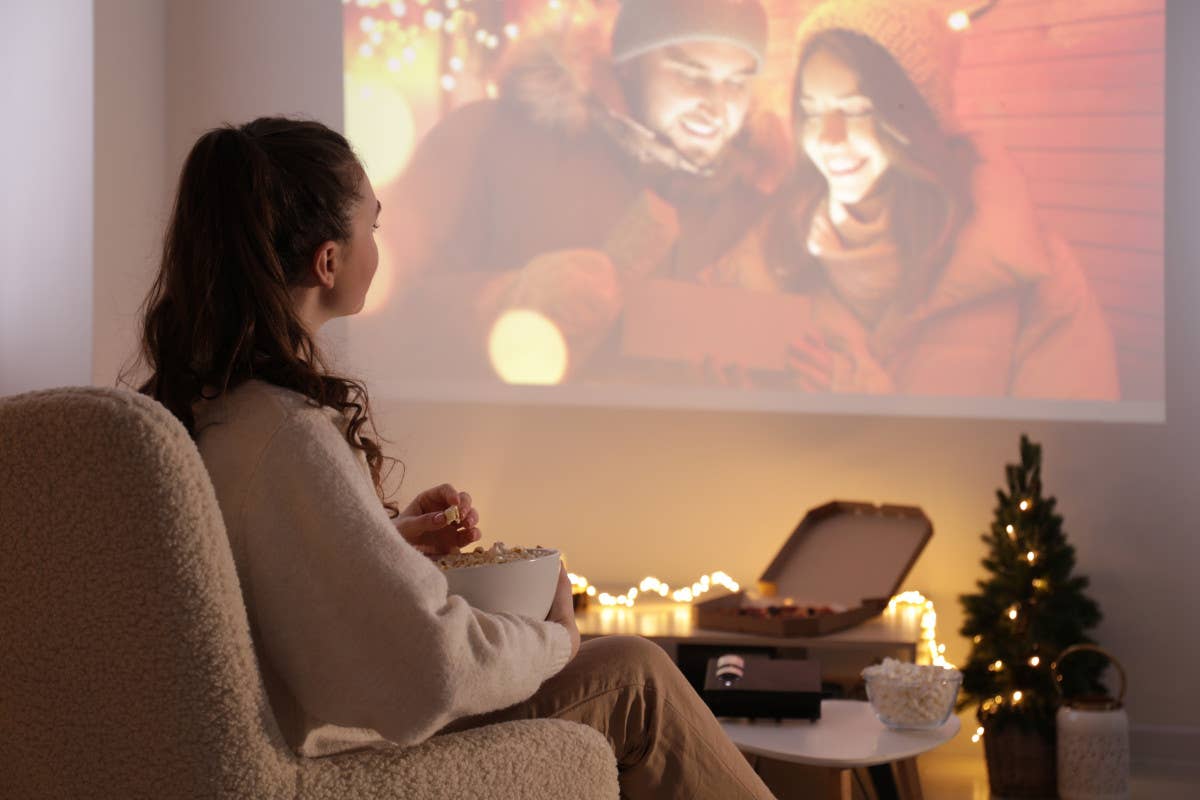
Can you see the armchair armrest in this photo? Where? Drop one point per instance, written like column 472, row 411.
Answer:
column 521, row 760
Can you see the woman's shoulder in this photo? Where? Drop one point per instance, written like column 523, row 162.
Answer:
column 1005, row 226
column 263, row 407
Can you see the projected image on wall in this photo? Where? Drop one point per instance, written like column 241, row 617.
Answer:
column 869, row 206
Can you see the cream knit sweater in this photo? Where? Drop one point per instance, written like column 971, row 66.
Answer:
column 359, row 642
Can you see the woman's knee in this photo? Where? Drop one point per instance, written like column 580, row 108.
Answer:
column 641, row 658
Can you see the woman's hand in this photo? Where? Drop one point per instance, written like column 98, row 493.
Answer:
column 823, row 238
column 811, row 364
column 423, row 523
column 562, row 610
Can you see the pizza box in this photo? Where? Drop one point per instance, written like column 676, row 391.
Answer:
column 838, row 568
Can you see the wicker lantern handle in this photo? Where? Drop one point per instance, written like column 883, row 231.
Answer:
column 1077, row 648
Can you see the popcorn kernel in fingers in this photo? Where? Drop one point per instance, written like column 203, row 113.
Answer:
column 452, row 515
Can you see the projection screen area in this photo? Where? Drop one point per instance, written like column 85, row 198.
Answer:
column 910, row 207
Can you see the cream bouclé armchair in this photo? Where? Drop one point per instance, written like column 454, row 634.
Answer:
column 126, row 665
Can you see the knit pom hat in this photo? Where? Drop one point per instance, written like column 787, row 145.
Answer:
column 645, row 25
column 914, row 32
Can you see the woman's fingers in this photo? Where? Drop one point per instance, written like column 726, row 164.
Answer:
column 445, row 496
column 467, row 536
column 811, row 363
column 813, row 348
column 815, row 379
column 463, row 501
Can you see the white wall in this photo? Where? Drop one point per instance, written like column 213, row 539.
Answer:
column 232, row 61
column 629, row 493
column 151, row 108
column 46, row 195
column 132, row 198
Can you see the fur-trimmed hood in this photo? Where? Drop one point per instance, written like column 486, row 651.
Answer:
column 565, row 81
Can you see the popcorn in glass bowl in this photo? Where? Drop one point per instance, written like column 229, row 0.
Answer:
column 911, row 696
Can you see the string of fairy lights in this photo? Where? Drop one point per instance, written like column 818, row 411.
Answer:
column 653, row 586
column 469, row 35
column 929, row 650
column 472, row 33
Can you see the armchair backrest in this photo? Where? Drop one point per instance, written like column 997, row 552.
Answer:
column 126, row 664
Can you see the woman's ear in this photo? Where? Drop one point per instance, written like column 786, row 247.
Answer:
column 325, row 266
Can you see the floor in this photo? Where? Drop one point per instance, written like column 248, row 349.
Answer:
column 964, row 777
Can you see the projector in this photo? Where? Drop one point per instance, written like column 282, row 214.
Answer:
column 762, row 687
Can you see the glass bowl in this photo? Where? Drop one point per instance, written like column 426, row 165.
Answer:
column 914, row 704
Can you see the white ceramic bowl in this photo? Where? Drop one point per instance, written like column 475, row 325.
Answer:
column 522, row 586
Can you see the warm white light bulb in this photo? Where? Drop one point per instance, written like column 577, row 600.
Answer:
column 959, row 21
column 1034, row 661
column 527, row 348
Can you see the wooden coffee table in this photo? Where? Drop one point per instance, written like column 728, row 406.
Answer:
column 840, row 746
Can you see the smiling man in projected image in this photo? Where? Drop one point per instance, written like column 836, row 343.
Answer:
column 927, row 268
column 609, row 154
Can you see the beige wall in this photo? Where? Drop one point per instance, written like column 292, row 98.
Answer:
column 628, row 493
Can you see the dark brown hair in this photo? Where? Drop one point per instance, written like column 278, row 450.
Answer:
column 931, row 171
column 254, row 204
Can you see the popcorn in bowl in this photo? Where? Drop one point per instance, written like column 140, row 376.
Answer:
column 911, row 696
column 498, row 553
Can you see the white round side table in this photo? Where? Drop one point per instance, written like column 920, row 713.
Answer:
column 847, row 738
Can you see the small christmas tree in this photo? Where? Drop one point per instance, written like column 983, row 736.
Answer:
column 1028, row 610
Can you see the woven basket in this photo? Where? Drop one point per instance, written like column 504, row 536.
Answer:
column 1020, row 763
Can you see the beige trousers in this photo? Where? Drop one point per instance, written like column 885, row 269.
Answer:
column 668, row 744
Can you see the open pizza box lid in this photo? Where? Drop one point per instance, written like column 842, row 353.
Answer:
column 839, row 568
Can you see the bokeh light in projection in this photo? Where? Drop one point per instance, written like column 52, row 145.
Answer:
column 527, row 349
column 381, row 127
column 384, row 282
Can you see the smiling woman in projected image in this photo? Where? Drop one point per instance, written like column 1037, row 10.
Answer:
column 927, row 271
